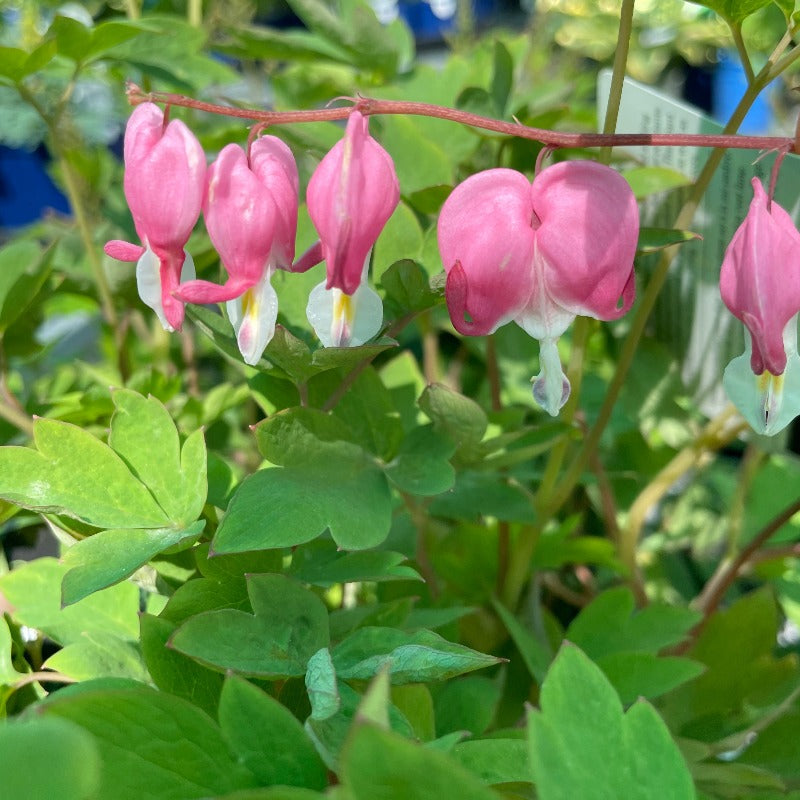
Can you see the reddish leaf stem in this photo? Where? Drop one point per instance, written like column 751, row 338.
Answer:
column 375, row 107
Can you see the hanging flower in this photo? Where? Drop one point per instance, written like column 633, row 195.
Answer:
column 250, row 210
column 351, row 195
column 164, row 175
column 760, row 285
column 539, row 255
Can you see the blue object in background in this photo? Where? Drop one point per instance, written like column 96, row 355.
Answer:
column 26, row 190
column 730, row 84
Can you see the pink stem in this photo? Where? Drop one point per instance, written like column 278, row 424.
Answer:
column 369, row 106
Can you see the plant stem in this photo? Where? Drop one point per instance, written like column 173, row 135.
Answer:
column 194, row 13
column 736, row 31
column 374, row 107
column 618, row 73
column 717, row 587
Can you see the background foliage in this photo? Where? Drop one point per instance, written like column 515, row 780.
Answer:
column 346, row 572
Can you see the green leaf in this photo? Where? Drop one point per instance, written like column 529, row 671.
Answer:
column 344, row 491
column 174, row 672
column 321, row 685
column 8, row 673
column 582, row 745
column 478, row 494
column 98, row 654
column 420, row 161
column 733, row 11
column 468, row 704
column 651, row 240
column 401, row 238
column 75, row 474
column 456, row 416
column 23, row 271
column 34, row 591
column 414, row 657
column 108, row 35
column 375, row 757
column 267, row 738
column 415, row 703
column 288, row 626
column 293, row 437
column 48, row 758
column 260, row 43
column 151, row 743
column 72, row 37
column 610, row 624
column 326, row 566
column 108, row 557
column 12, row 63
column 502, row 77
column 408, row 288
column 743, row 682
column 421, row 466
column 329, row 735
column 645, row 181
column 636, row 675
column 495, row 760
column 535, row 653
column 144, row 435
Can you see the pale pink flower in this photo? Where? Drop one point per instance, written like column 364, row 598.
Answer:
column 539, row 255
column 164, row 176
column 351, row 195
column 250, row 210
column 760, row 284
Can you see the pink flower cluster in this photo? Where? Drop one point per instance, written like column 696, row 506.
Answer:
column 538, row 254
column 249, row 202
column 535, row 253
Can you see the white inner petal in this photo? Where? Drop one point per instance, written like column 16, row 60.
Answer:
column 148, row 284
column 253, row 315
column 768, row 402
column 550, row 387
column 342, row 320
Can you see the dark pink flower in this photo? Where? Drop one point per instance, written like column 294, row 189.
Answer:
column 164, row 176
column 250, row 211
column 760, row 284
column 539, row 255
column 351, row 195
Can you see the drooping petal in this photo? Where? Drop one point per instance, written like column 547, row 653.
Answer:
column 273, row 164
column 164, row 177
column 760, row 279
column 240, row 215
column 350, row 197
column 550, row 387
column 768, row 402
column 253, row 315
column 342, row 320
column 156, row 281
column 486, row 239
column 587, row 239
column 123, row 251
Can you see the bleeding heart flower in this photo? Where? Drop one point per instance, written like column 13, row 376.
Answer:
column 164, row 175
column 250, row 209
column 539, row 255
column 760, row 284
column 351, row 195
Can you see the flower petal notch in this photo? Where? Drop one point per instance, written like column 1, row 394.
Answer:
column 164, row 177
column 539, row 255
column 350, row 197
column 250, row 209
column 760, row 285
